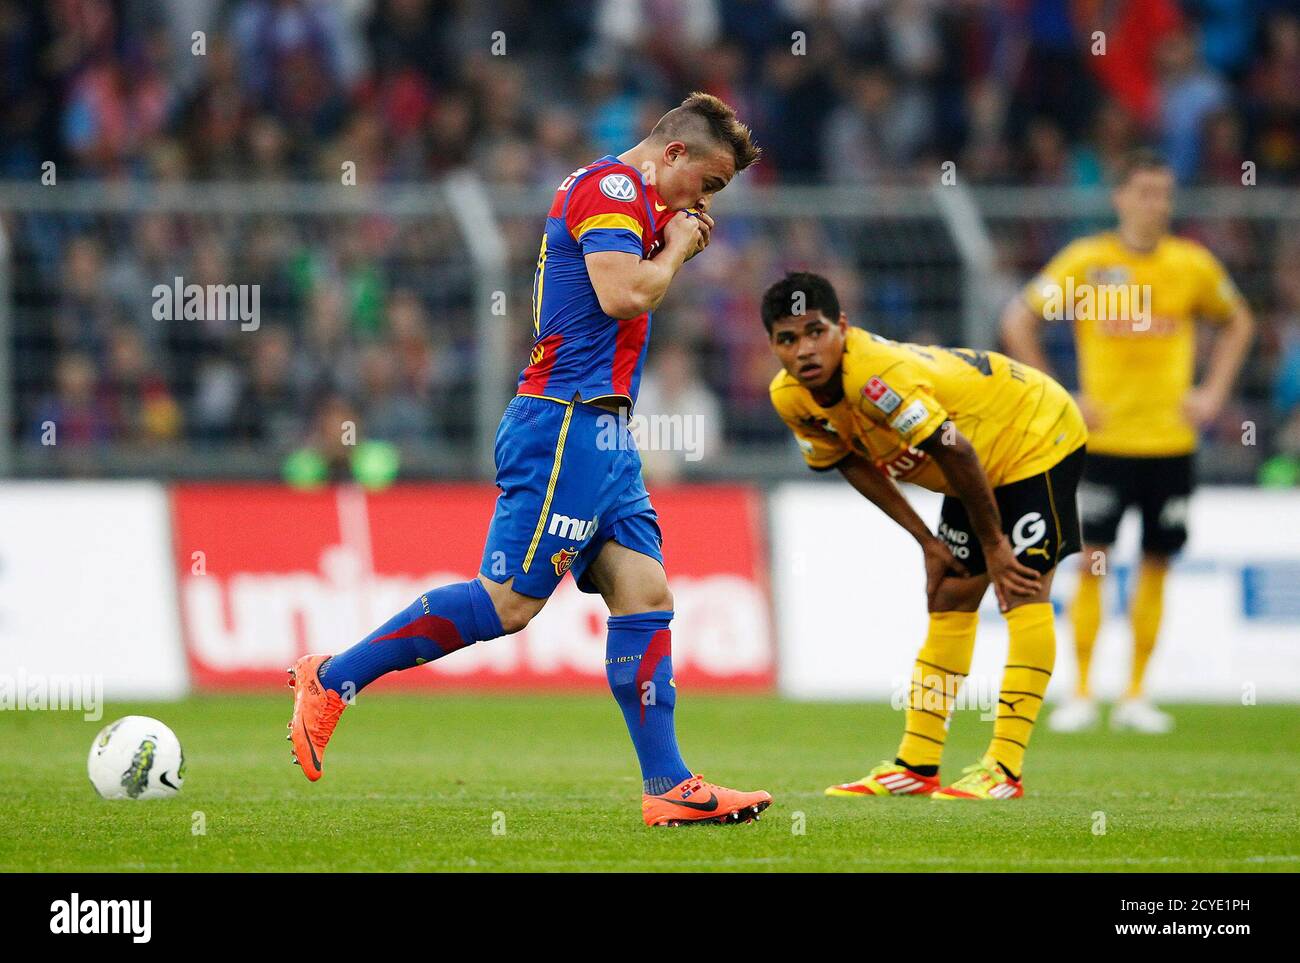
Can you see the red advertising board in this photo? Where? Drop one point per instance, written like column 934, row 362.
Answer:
column 267, row 574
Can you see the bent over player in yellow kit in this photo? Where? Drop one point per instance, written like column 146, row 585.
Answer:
column 1134, row 296
column 1005, row 444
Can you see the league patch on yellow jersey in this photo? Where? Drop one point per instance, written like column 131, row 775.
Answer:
column 881, row 395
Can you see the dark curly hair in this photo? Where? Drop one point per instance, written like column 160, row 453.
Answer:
column 781, row 299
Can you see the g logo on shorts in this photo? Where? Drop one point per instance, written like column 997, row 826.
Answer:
column 1028, row 531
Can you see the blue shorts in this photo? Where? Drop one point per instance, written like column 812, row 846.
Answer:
column 570, row 480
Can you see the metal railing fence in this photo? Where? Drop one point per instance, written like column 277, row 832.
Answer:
column 411, row 307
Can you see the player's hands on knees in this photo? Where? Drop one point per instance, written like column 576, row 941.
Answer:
column 939, row 564
column 1011, row 579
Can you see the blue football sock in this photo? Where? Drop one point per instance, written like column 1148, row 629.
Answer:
column 639, row 667
column 438, row 622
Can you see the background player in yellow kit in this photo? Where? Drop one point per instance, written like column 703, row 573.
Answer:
column 1134, row 295
column 1005, row 444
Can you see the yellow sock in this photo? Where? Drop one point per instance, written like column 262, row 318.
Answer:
column 941, row 665
column 1147, row 608
column 1085, row 614
column 1031, row 656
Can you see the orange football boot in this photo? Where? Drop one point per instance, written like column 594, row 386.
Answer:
column 695, row 801
column 316, row 712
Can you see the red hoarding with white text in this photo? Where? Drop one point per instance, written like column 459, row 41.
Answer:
column 267, row 574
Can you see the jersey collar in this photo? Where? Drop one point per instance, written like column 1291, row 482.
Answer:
column 660, row 211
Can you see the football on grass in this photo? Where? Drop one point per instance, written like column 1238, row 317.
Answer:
column 136, row 757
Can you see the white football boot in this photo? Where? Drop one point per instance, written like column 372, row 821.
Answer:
column 1078, row 714
column 1140, row 715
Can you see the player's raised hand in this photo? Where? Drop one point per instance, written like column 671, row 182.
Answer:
column 687, row 230
column 1011, row 579
column 706, row 227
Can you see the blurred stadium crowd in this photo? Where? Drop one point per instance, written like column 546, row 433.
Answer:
column 364, row 318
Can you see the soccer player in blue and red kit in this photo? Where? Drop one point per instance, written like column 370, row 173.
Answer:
column 618, row 231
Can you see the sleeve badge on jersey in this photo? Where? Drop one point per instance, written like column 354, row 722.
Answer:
column 881, row 395
column 618, row 187
column 913, row 416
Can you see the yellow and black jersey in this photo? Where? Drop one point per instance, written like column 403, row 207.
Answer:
column 1134, row 316
column 897, row 395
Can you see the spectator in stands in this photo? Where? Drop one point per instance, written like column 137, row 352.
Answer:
column 510, row 163
column 134, row 396
column 327, row 355
column 1189, row 93
column 1223, row 157
column 409, row 35
column 115, row 108
column 986, row 156
column 84, row 313
column 287, row 86
column 1283, row 468
column 560, row 149
column 269, row 407
column 691, row 25
column 680, row 416
column 73, row 416
column 419, row 370
column 387, row 412
column 335, row 450
column 1227, row 34
column 1096, row 161
column 408, row 90
column 359, row 249
column 610, row 108
column 795, row 98
column 1132, row 32
column 28, row 101
column 449, row 133
column 1049, row 159
column 290, row 56
column 212, row 121
column 218, row 388
column 878, row 131
column 268, row 150
column 1274, row 102
column 149, row 256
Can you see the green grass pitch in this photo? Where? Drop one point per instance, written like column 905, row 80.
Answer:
column 418, row 783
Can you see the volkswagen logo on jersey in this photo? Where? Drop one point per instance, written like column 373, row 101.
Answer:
column 618, row 187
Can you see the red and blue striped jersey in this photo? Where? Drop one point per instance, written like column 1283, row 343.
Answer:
column 577, row 348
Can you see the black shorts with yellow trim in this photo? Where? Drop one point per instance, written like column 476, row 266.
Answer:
column 1158, row 487
column 1040, row 517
